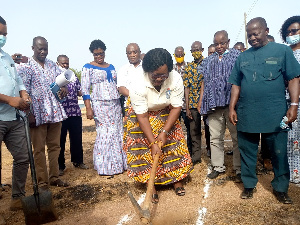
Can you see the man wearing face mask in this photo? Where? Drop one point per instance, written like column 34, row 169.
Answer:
column 13, row 96
column 192, row 81
column 179, row 66
column 214, row 102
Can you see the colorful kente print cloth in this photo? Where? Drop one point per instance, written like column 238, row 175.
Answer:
column 173, row 167
column 193, row 79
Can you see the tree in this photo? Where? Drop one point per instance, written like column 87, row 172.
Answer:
column 77, row 73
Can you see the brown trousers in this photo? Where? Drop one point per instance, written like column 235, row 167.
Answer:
column 46, row 134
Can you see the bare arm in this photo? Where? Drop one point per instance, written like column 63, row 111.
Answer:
column 235, row 94
column 293, row 88
column 124, row 91
column 16, row 102
column 89, row 110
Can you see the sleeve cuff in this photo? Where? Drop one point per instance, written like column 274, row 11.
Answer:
column 85, row 97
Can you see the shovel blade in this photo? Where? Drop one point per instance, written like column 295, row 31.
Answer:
column 39, row 209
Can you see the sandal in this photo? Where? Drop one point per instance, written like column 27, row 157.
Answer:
column 155, row 199
column 180, row 191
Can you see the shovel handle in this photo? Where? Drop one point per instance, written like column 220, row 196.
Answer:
column 152, row 179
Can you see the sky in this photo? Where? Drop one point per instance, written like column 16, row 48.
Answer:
column 70, row 26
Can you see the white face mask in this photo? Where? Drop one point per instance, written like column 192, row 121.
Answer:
column 292, row 40
column 2, row 40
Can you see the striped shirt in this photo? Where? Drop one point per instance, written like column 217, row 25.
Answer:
column 216, row 73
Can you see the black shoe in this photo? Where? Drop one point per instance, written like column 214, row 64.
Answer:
column 282, row 197
column 247, row 193
column 238, row 178
column 214, row 174
column 229, row 153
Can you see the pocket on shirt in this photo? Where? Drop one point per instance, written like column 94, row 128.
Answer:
column 271, row 70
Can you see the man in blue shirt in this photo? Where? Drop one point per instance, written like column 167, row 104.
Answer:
column 13, row 96
column 259, row 77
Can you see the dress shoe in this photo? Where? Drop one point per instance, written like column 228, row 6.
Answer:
column 81, row 166
column 15, row 204
column 282, row 197
column 214, row 174
column 247, row 193
column 43, row 188
column 229, row 153
column 59, row 183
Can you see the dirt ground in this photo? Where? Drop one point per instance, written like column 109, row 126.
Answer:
column 94, row 199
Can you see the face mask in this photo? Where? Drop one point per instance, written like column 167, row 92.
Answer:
column 292, row 40
column 2, row 41
column 197, row 54
column 179, row 59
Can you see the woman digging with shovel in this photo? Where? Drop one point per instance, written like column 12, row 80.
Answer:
column 156, row 104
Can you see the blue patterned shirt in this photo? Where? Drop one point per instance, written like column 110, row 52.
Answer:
column 216, row 73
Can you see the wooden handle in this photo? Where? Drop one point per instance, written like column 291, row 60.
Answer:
column 152, row 179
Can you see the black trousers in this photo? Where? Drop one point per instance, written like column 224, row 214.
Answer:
column 74, row 125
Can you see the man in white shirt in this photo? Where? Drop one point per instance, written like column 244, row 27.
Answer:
column 132, row 71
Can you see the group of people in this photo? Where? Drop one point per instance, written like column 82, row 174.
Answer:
column 247, row 91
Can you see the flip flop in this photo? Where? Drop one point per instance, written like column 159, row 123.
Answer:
column 155, row 199
column 180, row 191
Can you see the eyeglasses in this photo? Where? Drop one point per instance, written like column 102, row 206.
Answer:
column 162, row 76
column 293, row 31
column 99, row 54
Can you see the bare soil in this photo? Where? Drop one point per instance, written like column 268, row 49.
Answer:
column 94, row 199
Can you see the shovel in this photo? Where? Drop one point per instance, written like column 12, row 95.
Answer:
column 145, row 214
column 39, row 207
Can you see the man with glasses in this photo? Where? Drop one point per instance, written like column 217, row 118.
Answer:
column 214, row 101
column 192, row 81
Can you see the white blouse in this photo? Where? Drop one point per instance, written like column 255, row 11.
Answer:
column 144, row 97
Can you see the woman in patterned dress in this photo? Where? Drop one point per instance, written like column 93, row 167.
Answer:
column 290, row 33
column 156, row 104
column 104, row 107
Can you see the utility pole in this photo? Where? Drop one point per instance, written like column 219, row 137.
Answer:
column 246, row 39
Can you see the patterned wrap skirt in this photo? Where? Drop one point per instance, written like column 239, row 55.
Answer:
column 174, row 165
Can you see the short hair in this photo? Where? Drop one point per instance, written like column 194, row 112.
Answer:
column 61, row 56
column 96, row 44
column 211, row 45
column 259, row 20
column 35, row 39
column 224, row 32
column 2, row 21
column 286, row 24
column 179, row 47
column 240, row 43
column 270, row 37
column 156, row 58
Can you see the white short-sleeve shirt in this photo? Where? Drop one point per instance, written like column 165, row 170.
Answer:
column 128, row 74
column 144, row 97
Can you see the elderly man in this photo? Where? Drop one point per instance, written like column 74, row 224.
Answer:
column 258, row 79
column 73, row 124
column 179, row 66
column 132, row 71
column 13, row 96
column 38, row 74
column 214, row 101
column 192, row 81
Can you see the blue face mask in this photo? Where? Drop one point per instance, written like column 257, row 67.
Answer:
column 292, row 40
column 2, row 41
